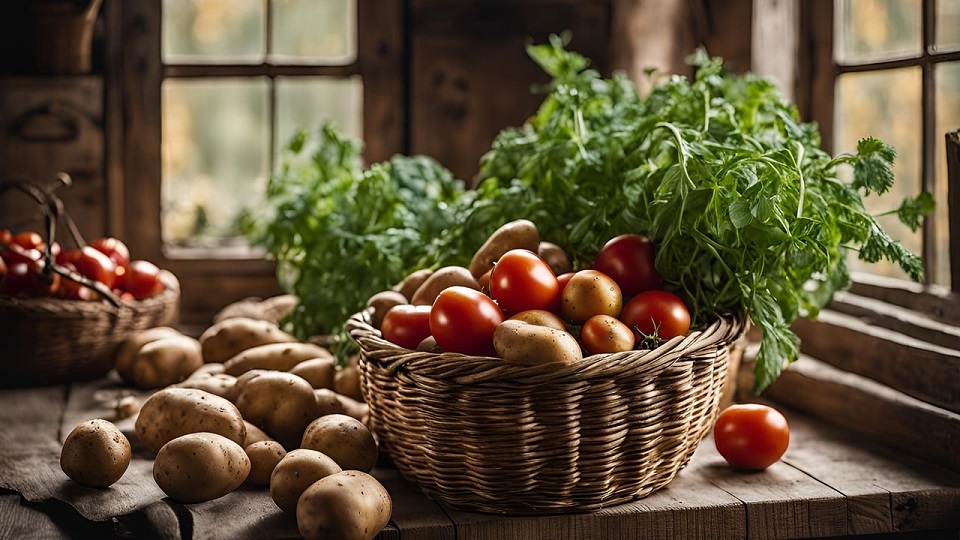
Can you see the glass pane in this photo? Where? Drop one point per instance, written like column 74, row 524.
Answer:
column 948, row 25
column 868, row 30
column 215, row 156
column 948, row 119
column 315, row 29
column 885, row 105
column 213, row 31
column 302, row 103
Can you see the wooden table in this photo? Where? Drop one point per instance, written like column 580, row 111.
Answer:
column 829, row 484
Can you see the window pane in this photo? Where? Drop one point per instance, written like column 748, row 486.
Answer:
column 213, row 31
column 215, row 156
column 302, row 103
column 948, row 119
column 868, row 30
column 315, row 29
column 885, row 105
column 948, row 25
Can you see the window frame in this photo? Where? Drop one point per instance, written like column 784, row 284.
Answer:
column 134, row 71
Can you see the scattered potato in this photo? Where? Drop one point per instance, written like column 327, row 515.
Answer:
column 556, row 257
column 172, row 412
column 123, row 357
column 280, row 403
column 412, row 282
column 441, row 279
column 219, row 384
column 524, row 342
column 229, row 337
column 165, row 361
column 319, row 372
column 295, row 473
column 126, row 407
column 254, row 435
column 347, row 382
column 345, row 439
column 271, row 309
column 520, row 233
column 208, row 369
column 345, row 505
column 275, row 356
column 199, row 467
column 353, row 408
column 264, row 457
column 95, row 454
column 329, row 402
column 380, row 303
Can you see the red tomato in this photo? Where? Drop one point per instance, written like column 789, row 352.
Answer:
column 30, row 240
column 3, row 268
column 406, row 325
column 751, row 436
column 25, row 278
column 629, row 260
column 521, row 280
column 13, row 253
column 656, row 313
column 113, row 248
column 91, row 263
column 463, row 320
column 563, row 279
column 142, row 280
column 71, row 290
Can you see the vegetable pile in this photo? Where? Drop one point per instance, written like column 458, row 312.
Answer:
column 748, row 213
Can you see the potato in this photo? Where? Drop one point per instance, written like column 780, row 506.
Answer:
column 521, row 234
column 264, row 457
column 272, row 309
column 444, row 278
column 199, row 467
column 165, row 361
column 172, row 412
column 429, row 344
column 319, row 372
column 95, row 453
column 281, row 404
column 347, row 382
column 556, row 257
column 213, row 368
column 294, row 474
column 126, row 407
column 523, row 342
column 349, row 504
column 353, row 408
column 254, row 435
column 234, row 392
column 590, row 293
column 275, row 356
column 328, row 402
column 123, row 357
column 541, row 317
column 229, row 337
column 412, row 282
column 345, row 439
column 380, row 303
column 218, row 385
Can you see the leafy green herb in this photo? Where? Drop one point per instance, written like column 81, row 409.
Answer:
column 748, row 212
column 339, row 233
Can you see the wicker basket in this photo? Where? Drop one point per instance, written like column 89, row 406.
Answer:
column 484, row 434
column 47, row 340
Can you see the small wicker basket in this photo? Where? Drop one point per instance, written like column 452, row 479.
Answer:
column 55, row 340
column 484, row 434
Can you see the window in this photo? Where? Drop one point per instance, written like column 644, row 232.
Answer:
column 889, row 68
column 209, row 91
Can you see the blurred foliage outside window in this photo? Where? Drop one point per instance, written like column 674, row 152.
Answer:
column 223, row 134
column 888, row 104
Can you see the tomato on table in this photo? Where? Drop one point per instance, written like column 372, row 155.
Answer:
column 521, row 280
column 751, row 436
column 463, row 320
column 656, row 313
column 406, row 325
column 629, row 260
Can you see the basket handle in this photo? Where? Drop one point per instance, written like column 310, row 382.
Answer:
column 53, row 211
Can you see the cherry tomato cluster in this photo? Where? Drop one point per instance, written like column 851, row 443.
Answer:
column 613, row 306
column 107, row 261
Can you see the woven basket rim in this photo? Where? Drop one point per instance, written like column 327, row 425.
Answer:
column 468, row 369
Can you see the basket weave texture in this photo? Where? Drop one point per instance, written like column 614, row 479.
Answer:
column 54, row 340
column 484, row 434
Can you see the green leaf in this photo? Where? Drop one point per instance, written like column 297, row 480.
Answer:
column 873, row 170
column 912, row 211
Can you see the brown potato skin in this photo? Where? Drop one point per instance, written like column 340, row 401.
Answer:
column 524, row 342
column 521, row 233
column 556, row 257
column 172, row 412
column 345, row 439
column 281, row 404
column 199, row 467
column 273, row 356
column 590, row 293
column 380, row 303
column 347, row 382
column 412, row 282
column 95, row 453
column 319, row 372
column 229, row 337
column 441, row 279
column 165, row 361
column 295, row 473
column 264, row 457
column 540, row 317
column 123, row 357
column 349, row 504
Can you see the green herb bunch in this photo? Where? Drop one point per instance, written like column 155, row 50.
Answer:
column 339, row 233
column 748, row 212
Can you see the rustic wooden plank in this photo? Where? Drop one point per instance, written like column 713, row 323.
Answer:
column 381, row 55
column 415, row 517
column 912, row 323
column 775, row 38
column 935, row 301
column 953, row 202
column 905, row 363
column 870, row 409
